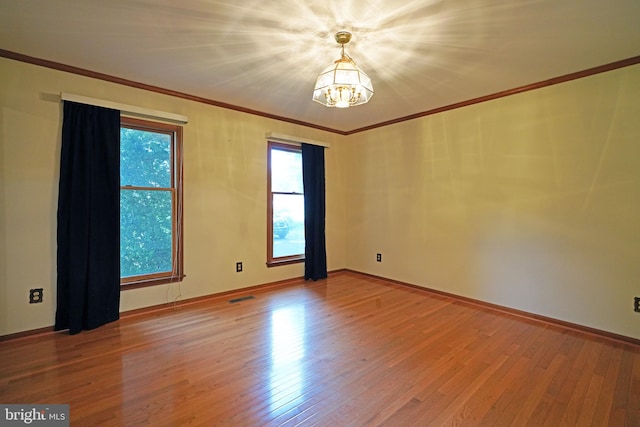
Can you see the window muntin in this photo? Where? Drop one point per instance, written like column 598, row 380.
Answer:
column 285, row 205
column 150, row 203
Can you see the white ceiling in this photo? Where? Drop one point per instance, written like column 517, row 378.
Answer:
column 265, row 56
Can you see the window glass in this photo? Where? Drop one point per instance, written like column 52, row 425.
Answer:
column 146, row 237
column 286, row 171
column 288, row 225
column 145, row 158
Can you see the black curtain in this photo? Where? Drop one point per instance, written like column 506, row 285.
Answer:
column 88, row 218
column 315, row 251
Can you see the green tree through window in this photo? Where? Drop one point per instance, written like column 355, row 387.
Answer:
column 150, row 203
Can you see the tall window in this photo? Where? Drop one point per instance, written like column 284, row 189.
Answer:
column 285, row 217
column 150, row 203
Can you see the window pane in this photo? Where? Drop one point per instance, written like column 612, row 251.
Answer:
column 286, row 171
column 145, row 232
column 145, row 158
column 288, row 225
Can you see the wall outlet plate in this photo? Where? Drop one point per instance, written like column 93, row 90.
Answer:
column 238, row 267
column 636, row 304
column 379, row 257
column 35, row 295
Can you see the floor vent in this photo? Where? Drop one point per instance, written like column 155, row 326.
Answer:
column 235, row 300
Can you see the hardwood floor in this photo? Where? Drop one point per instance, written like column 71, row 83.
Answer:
column 348, row 351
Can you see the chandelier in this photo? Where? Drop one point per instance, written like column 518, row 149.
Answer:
column 343, row 84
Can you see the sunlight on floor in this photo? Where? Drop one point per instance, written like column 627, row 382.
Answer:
column 287, row 377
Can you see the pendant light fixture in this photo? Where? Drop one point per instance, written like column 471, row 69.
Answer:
column 343, row 84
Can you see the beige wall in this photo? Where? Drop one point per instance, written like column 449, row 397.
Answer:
column 224, row 193
column 530, row 201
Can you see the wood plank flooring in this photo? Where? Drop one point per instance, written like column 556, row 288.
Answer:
column 347, row 351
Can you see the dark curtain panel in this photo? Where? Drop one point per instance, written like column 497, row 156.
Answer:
column 88, row 218
column 315, row 252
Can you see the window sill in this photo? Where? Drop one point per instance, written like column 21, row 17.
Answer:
column 143, row 283
column 286, row 261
